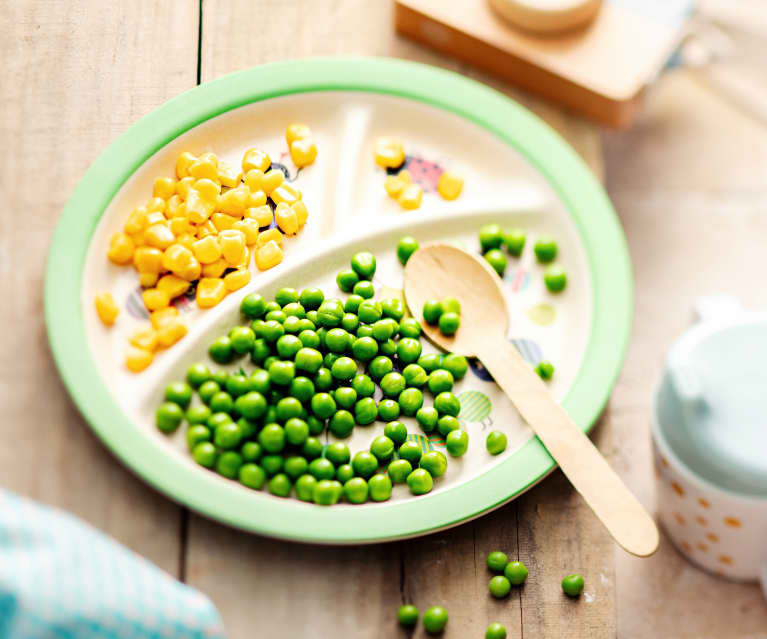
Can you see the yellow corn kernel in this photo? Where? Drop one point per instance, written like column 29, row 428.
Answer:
column 180, row 261
column 208, row 189
column 155, row 298
column 273, row 179
column 249, row 227
column 286, row 219
column 184, row 161
column 255, row 159
column 234, row 201
column 395, row 184
column 232, row 246
column 303, row 152
column 210, row 291
column 158, row 318
column 186, row 239
column 389, row 152
column 236, row 279
column 138, row 239
column 175, row 207
column 159, row 236
column 170, row 332
column 254, row 180
column 270, row 235
column 204, row 231
column 449, row 185
column 183, row 186
column 243, row 263
column 297, row 131
column 148, row 259
column 136, row 221
column 410, row 198
column 164, row 187
column 261, row 214
column 269, row 255
column 204, row 168
column 228, row 175
column 210, row 157
column 179, row 226
column 155, row 217
column 256, row 198
column 155, row 204
column 144, row 338
column 121, row 249
column 107, row 309
column 215, row 269
column 137, row 359
column 197, row 208
column 302, row 213
column 222, row 221
column 172, row 285
column 286, row 193
column 148, row 280
column 206, row 250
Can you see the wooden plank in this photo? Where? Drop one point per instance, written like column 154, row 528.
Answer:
column 75, row 76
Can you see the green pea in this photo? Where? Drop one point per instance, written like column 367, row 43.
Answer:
column 409, row 327
column 272, row 438
column 272, row 464
column 350, row 322
column 305, row 485
column 217, row 419
column 237, row 385
column 338, row 453
column 270, row 417
column 432, row 310
column 388, row 348
column 272, row 331
column 499, row 587
column 252, row 476
column 344, row 473
column 457, row 443
column 572, row 585
column 227, row 436
column 196, row 374
column 435, row 618
column 345, row 396
column 495, row 631
column 197, row 414
column 363, row 385
column 427, row 418
column 364, row 265
column 379, row 367
column 322, row 468
column 250, row 451
column 323, row 405
column 410, row 401
column 261, row 350
column 344, row 369
column 457, row 365
column 252, row 306
column 385, row 328
column 294, row 309
column 383, row 448
column 259, row 381
column 497, row 259
column 292, row 325
column 179, row 393
column 342, row 423
column 286, row 296
column 311, row 316
column 393, row 308
column 434, row 462
column 302, row 388
column 330, row 312
column 496, row 561
column 312, row 448
column 257, row 326
column 405, row 248
column 287, row 346
column 364, row 348
column 311, row 298
column 305, row 324
column 496, row 442
column 276, row 316
column 242, row 339
column 392, row 384
column 515, row 239
column 247, row 427
column 365, row 411
column 369, row 312
column 399, row 470
column 430, row 362
column 251, row 405
column 281, row 372
column 337, row 340
column 323, row 379
column 365, row 463
column 356, row 490
column 352, row 303
column 365, row 289
column 220, row 350
column 308, row 359
column 327, row 492
column 205, row 454
column 379, row 487
column 545, row 370
column 228, row 464
column 271, row 306
column 408, row 350
column 490, row 237
column 388, row 409
column 346, row 280
column 269, row 361
column 447, row 424
column 410, row 450
column 316, row 425
column 447, row 404
column 450, row 305
column 220, row 377
column 309, row 339
column 196, row 434
column 545, row 249
column 221, row 402
column 415, row 375
column 515, row 572
column 296, row 431
column 440, row 381
column 396, row 431
column 449, row 323
column 279, row 485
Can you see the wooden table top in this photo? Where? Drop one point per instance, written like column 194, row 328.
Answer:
column 688, row 182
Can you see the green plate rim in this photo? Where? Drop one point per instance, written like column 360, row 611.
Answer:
column 208, row 494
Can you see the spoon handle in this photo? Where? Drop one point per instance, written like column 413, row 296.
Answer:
column 612, row 502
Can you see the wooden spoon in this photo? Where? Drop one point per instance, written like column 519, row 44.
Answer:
column 440, row 270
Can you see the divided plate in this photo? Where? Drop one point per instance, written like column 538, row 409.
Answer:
column 518, row 173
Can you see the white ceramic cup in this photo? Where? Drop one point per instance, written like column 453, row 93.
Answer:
column 709, row 428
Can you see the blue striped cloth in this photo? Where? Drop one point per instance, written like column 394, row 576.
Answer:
column 62, row 579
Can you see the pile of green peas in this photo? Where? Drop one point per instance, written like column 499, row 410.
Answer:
column 445, row 313
column 317, row 364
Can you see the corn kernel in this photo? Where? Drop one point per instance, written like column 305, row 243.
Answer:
column 255, row 159
column 270, row 235
column 449, row 185
column 236, row 279
column 222, row 221
column 215, row 269
column 204, row 231
column 204, row 168
column 261, row 214
column 138, row 239
column 186, row 240
column 303, row 152
column 210, row 291
column 175, row 207
column 286, row 219
column 254, row 180
column 148, row 259
column 155, row 204
column 184, row 161
column 155, row 217
column 121, row 249
column 243, row 263
column 159, row 236
column 172, row 285
column 234, row 201
column 164, row 187
column 286, row 193
column 410, row 198
column 389, row 152
column 183, row 186
column 302, row 213
column 197, row 208
column 232, row 246
column 210, row 157
column 148, row 280
column 155, row 298
column 228, row 175
column 395, row 184
column 144, row 338
column 106, row 308
column 136, row 221
column 273, row 179
column 206, row 250
column 180, row 261
column 158, row 318
column 249, row 227
column 137, row 359
column 256, row 199
column 208, row 189
column 269, row 255
column 297, row 131
column 179, row 226
column 170, row 332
